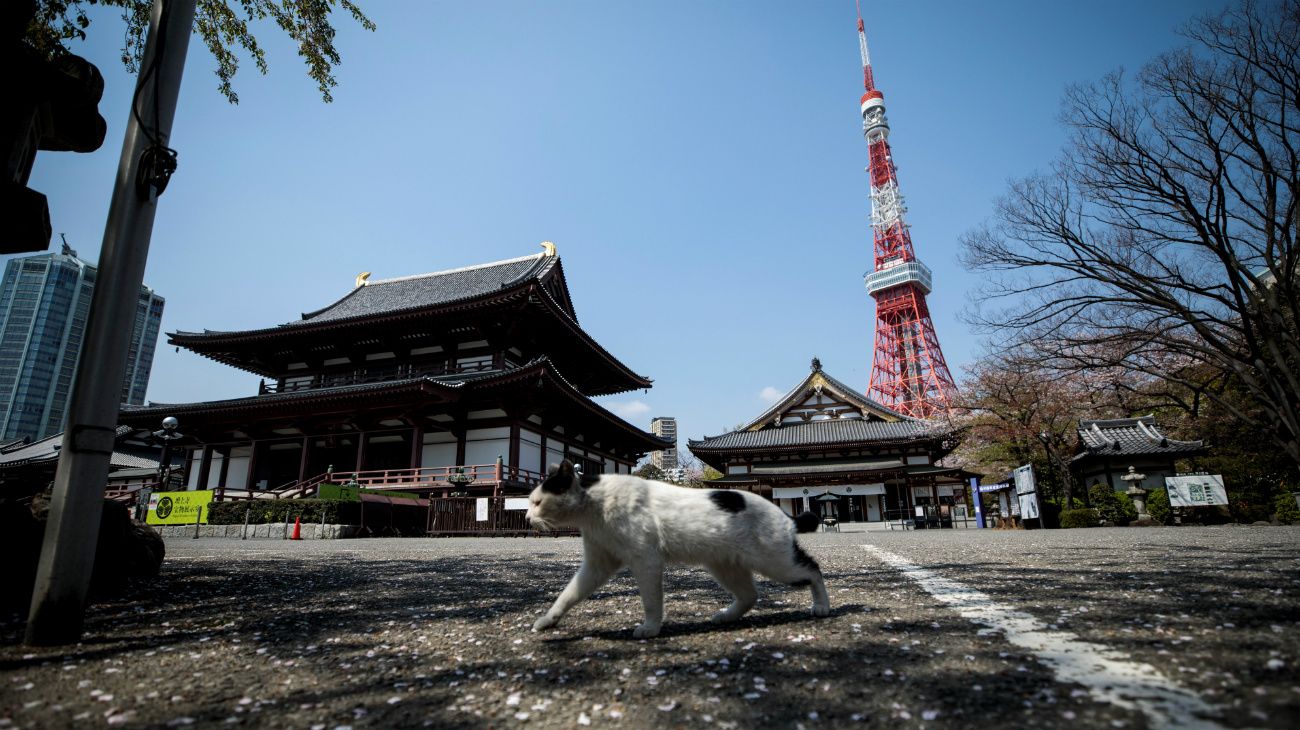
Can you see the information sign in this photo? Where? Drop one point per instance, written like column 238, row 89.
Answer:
column 1202, row 490
column 1024, row 477
column 178, row 508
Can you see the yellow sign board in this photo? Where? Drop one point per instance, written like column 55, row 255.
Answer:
column 178, row 508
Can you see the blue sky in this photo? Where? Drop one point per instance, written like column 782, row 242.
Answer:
column 699, row 166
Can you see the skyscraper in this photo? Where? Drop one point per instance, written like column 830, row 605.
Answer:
column 44, row 303
column 664, row 427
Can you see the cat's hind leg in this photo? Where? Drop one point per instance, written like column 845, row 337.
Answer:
column 797, row 568
column 740, row 582
column 598, row 566
column 650, row 582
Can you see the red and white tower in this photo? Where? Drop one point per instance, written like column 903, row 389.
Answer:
column 908, row 372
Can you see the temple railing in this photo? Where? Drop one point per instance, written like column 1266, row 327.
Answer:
column 378, row 375
column 423, row 479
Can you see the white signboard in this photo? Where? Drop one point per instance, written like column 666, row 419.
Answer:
column 480, row 509
column 1028, row 506
column 1196, row 491
column 516, row 503
column 1025, row 480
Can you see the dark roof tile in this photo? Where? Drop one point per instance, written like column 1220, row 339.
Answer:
column 1129, row 436
column 816, row 433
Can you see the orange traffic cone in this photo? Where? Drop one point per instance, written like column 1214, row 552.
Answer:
column 297, row 528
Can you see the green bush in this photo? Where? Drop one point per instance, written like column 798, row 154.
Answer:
column 1128, row 512
column 262, row 511
column 1114, row 507
column 1158, row 506
column 1285, row 509
column 1079, row 518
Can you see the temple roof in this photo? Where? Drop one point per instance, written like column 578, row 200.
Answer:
column 382, row 394
column 439, row 287
column 820, row 381
column 823, row 411
column 527, row 294
column 1128, row 437
column 823, row 433
column 17, row 453
column 408, row 293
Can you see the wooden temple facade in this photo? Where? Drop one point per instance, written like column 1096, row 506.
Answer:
column 825, row 447
column 461, row 382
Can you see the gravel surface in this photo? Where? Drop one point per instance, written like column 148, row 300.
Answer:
column 407, row 632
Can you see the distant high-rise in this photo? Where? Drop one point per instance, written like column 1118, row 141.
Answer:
column 44, row 302
column 664, row 427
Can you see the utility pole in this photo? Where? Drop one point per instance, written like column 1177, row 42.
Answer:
column 71, row 534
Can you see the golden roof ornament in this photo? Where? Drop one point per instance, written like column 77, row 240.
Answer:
column 549, row 247
column 362, row 278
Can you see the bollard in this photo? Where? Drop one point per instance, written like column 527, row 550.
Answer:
column 321, row 535
column 198, row 517
column 247, row 511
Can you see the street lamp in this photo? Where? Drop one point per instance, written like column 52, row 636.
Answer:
column 167, row 434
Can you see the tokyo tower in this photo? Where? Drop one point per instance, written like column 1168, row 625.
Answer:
column 908, row 372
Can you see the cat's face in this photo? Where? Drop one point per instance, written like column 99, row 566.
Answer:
column 557, row 501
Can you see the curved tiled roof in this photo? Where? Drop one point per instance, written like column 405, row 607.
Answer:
column 836, row 386
column 1129, row 436
column 425, row 295
column 532, row 369
column 427, row 290
column 818, row 433
column 389, row 296
column 17, row 454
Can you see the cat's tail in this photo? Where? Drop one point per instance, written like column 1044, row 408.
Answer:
column 806, row 522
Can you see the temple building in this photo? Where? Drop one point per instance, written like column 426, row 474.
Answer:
column 1107, row 448
column 466, row 381
column 825, row 447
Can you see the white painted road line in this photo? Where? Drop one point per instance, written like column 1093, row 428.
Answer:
column 1109, row 675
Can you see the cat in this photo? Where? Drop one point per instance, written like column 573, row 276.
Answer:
column 644, row 525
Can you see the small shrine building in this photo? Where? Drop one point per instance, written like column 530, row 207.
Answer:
column 1107, row 448
column 825, row 447
column 466, row 381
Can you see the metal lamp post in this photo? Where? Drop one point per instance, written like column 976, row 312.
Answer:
column 167, row 434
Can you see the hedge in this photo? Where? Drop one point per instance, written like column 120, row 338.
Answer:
column 261, row 511
column 1079, row 518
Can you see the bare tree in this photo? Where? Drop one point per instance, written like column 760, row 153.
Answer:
column 1164, row 240
column 1015, row 412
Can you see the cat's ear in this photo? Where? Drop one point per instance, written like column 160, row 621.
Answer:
column 560, row 478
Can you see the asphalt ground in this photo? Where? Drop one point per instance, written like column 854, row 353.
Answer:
column 435, row 633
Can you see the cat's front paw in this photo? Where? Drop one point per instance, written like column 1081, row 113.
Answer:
column 645, row 631
column 545, row 622
column 821, row 611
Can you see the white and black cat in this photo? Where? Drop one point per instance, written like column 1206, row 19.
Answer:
column 643, row 525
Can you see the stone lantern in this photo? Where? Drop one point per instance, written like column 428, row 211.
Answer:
column 1136, row 492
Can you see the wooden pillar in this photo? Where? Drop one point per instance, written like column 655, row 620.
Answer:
column 250, row 482
column 205, row 465
column 303, row 462
column 460, row 447
column 417, row 447
column 361, row 450
column 225, row 473
column 513, row 456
